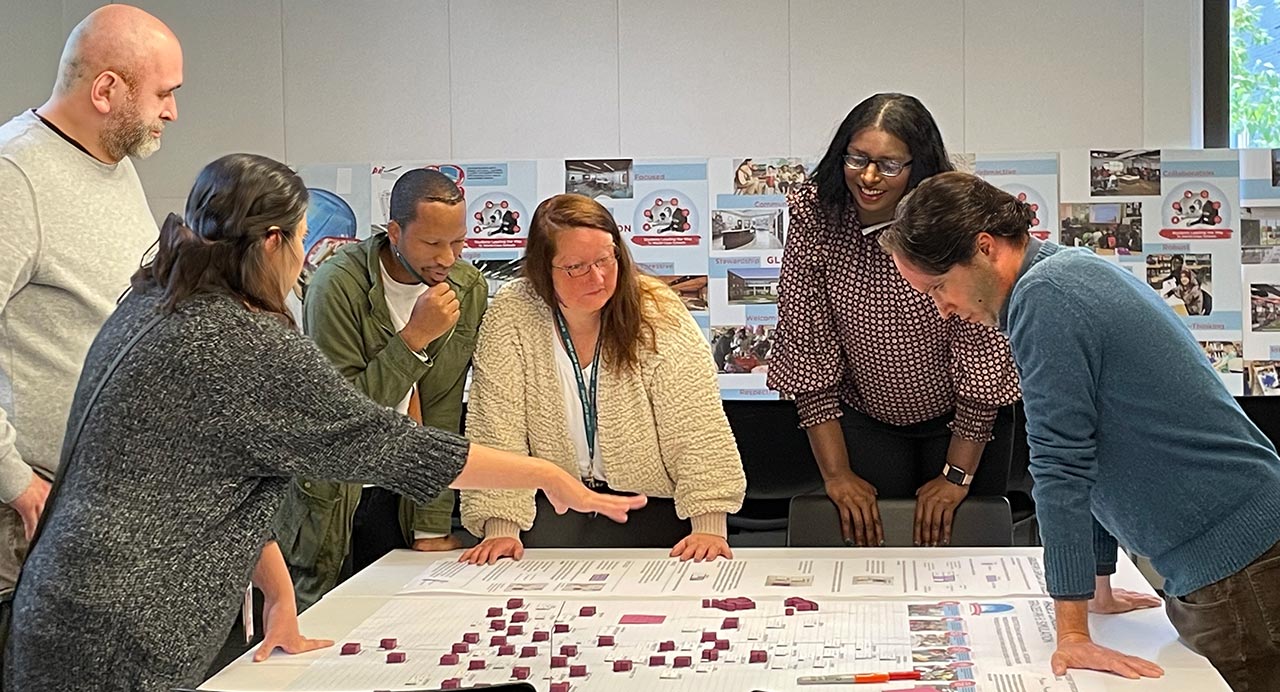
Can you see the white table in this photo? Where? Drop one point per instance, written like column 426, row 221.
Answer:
column 1145, row 633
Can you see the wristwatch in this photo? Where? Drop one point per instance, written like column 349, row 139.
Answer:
column 956, row 475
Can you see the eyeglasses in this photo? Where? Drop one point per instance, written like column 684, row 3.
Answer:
column 887, row 167
column 577, row 270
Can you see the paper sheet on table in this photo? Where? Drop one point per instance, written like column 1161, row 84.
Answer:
column 932, row 577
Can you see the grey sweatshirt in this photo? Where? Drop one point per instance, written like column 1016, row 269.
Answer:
column 72, row 232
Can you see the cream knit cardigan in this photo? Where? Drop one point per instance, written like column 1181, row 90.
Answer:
column 662, row 429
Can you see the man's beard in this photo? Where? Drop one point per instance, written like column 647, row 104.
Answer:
column 126, row 134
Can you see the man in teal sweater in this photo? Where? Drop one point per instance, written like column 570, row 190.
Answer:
column 1132, row 434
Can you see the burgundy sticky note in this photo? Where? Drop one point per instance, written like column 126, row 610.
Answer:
column 541, row 636
column 657, row 661
column 497, row 640
column 559, row 661
column 493, row 613
column 450, row 684
column 515, row 630
column 388, row 643
column 642, row 619
column 667, row 646
column 758, row 656
column 587, row 611
column 476, row 664
column 605, row 640
column 515, row 603
column 561, row 628
column 708, row 637
column 449, row 660
column 729, row 624
column 722, row 644
column 621, row 666
column 710, row 654
column 350, row 648
column 558, row 687
column 528, row 651
column 791, row 611
column 471, row 637
column 461, row 648
column 569, row 650
column 521, row 616
column 577, row 671
column 520, row 672
column 395, row 657
column 507, row 650
column 497, row 624
column 683, row 661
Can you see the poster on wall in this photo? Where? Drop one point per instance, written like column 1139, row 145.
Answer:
column 1260, row 177
column 660, row 207
column 1262, row 329
column 1124, row 172
column 1260, row 235
column 1227, row 359
column 749, row 226
column 500, row 198
column 1192, row 260
column 1113, row 221
column 1113, row 230
column 337, row 208
column 1032, row 178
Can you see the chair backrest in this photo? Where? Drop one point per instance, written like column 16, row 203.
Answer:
column 775, row 452
column 979, row 521
column 653, row 526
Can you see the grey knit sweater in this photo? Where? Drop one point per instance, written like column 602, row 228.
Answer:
column 178, row 477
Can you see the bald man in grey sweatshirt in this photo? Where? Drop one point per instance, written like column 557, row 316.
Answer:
column 74, row 226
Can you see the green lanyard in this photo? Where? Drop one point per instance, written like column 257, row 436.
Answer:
column 586, row 397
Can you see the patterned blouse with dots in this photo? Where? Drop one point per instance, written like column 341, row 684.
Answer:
column 851, row 330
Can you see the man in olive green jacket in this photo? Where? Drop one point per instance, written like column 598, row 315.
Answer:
column 397, row 314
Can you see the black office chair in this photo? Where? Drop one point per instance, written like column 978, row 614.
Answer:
column 653, row 526
column 779, row 465
column 979, row 521
column 1026, row 530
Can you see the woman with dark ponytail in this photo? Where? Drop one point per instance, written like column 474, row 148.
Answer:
column 199, row 401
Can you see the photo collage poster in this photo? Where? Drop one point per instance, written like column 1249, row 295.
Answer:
column 1201, row 227
column 1033, row 179
column 1260, row 257
column 660, row 207
column 749, row 228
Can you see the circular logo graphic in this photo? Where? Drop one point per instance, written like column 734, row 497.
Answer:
column 666, row 212
column 497, row 215
column 1196, row 205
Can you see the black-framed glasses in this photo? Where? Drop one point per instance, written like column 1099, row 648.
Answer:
column 578, row 270
column 887, row 167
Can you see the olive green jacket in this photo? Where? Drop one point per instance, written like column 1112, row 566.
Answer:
column 345, row 313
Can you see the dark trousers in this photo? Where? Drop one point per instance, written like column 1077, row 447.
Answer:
column 898, row 459
column 1235, row 623
column 653, row 526
column 375, row 530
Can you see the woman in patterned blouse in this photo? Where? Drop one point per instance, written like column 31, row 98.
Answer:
column 896, row 401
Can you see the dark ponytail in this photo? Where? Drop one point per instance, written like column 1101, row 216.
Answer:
column 237, row 202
